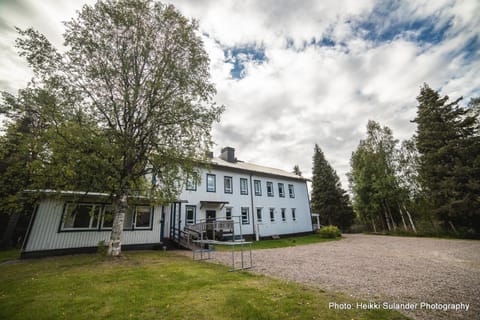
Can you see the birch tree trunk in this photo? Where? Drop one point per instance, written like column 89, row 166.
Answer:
column 394, row 225
column 385, row 214
column 386, row 219
column 115, row 244
column 410, row 219
column 403, row 219
column 452, row 226
column 374, row 227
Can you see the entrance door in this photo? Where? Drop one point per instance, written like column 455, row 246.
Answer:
column 211, row 215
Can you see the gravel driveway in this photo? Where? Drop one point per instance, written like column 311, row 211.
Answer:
column 384, row 269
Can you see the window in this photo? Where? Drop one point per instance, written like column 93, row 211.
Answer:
column 139, row 217
column 211, row 183
column 281, row 190
column 272, row 215
column 128, row 220
column 259, row 214
column 107, row 217
column 270, row 189
column 243, row 186
column 143, row 217
column 190, row 212
column 228, row 213
column 245, row 217
column 291, row 191
column 258, row 187
column 81, row 216
column 227, row 184
column 192, row 182
column 85, row 216
column 294, row 217
column 284, row 217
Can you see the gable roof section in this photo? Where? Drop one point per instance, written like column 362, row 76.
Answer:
column 254, row 169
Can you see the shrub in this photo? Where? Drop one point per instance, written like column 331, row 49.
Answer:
column 102, row 248
column 329, row 232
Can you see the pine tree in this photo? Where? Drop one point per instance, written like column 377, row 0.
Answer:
column 328, row 197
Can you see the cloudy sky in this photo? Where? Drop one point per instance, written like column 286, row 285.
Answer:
column 296, row 73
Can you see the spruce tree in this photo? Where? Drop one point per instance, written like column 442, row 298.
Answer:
column 328, row 197
column 448, row 142
column 296, row 170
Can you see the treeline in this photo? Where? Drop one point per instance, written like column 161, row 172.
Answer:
column 429, row 184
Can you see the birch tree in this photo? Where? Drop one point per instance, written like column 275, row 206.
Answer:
column 373, row 179
column 139, row 71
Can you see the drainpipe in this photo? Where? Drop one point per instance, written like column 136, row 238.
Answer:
column 251, row 202
column 162, row 224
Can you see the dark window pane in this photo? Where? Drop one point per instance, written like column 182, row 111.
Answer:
column 143, row 217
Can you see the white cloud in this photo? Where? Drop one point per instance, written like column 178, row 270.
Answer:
column 302, row 95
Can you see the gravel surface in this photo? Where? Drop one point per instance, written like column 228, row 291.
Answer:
column 383, row 269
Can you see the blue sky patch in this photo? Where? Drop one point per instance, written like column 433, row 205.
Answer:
column 383, row 25
column 239, row 56
column 471, row 50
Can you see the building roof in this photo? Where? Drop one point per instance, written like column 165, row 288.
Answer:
column 255, row 168
column 70, row 193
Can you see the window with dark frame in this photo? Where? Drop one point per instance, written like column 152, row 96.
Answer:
column 143, row 217
column 243, row 186
column 291, row 191
column 190, row 212
column 191, row 184
column 281, row 190
column 294, row 216
column 138, row 217
column 86, row 216
column 245, row 215
column 107, row 217
column 227, row 184
column 259, row 214
column 257, row 185
column 269, row 188
column 128, row 219
column 228, row 213
column 81, row 216
column 272, row 215
column 211, row 183
column 284, row 217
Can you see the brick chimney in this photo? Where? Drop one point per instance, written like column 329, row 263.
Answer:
column 228, row 154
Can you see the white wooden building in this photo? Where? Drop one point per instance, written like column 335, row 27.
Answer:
column 261, row 202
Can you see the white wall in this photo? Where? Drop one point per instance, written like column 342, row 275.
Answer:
column 44, row 234
column 237, row 201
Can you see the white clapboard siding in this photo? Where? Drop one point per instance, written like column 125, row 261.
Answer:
column 236, row 201
column 44, row 234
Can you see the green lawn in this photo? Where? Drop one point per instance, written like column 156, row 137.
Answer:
column 157, row 285
column 9, row 254
column 283, row 242
column 290, row 242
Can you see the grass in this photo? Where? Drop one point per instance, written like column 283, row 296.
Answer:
column 158, row 285
column 9, row 254
column 284, row 242
column 290, row 242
